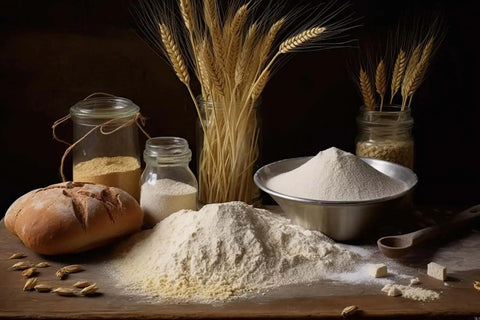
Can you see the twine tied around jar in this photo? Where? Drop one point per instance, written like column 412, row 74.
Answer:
column 118, row 123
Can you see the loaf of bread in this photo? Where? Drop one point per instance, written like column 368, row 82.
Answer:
column 72, row 217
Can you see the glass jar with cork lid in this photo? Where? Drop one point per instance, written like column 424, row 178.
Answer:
column 386, row 135
column 167, row 183
column 106, row 149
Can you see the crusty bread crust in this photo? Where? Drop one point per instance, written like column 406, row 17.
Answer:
column 72, row 217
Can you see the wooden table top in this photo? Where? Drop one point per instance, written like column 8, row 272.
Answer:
column 324, row 300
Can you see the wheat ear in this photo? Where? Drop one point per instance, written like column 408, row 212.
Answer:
column 187, row 14
column 410, row 84
column 418, row 74
column 174, row 54
column 260, row 85
column 212, row 20
column 211, row 68
column 427, row 52
column 367, row 91
column 422, row 66
column 234, row 40
column 381, row 81
column 242, row 69
column 238, row 20
column 202, row 71
column 412, row 62
column 268, row 40
column 398, row 73
column 410, row 75
column 300, row 39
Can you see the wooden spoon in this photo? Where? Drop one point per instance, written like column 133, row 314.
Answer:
column 398, row 246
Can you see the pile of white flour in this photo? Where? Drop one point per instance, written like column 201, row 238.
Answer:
column 336, row 175
column 163, row 197
column 224, row 250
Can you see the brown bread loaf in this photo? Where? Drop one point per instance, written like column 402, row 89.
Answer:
column 72, row 217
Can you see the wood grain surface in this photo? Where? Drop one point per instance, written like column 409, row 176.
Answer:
column 458, row 300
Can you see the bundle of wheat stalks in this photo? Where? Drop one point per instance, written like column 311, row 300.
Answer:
column 232, row 53
column 409, row 70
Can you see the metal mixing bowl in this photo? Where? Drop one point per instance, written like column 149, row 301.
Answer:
column 340, row 220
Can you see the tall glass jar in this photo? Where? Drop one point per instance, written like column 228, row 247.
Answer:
column 386, row 135
column 167, row 183
column 227, row 153
column 106, row 148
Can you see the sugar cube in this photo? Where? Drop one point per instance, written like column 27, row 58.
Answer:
column 437, row 271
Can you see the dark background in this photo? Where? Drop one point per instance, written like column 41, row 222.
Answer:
column 55, row 53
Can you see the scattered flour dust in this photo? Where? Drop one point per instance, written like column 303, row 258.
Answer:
column 336, row 175
column 225, row 250
column 414, row 293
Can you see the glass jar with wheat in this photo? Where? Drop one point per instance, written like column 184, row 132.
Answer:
column 245, row 144
column 385, row 128
column 386, row 135
column 233, row 48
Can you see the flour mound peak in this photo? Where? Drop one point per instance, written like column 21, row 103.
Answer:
column 336, row 175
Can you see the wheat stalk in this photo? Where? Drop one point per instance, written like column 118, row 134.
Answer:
column 174, row 54
column 289, row 45
column 180, row 68
column 381, row 81
column 398, row 73
column 366, row 89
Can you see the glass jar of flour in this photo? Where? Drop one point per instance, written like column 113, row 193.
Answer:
column 167, row 183
column 386, row 135
column 106, row 143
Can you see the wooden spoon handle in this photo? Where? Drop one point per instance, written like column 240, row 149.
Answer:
column 461, row 220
